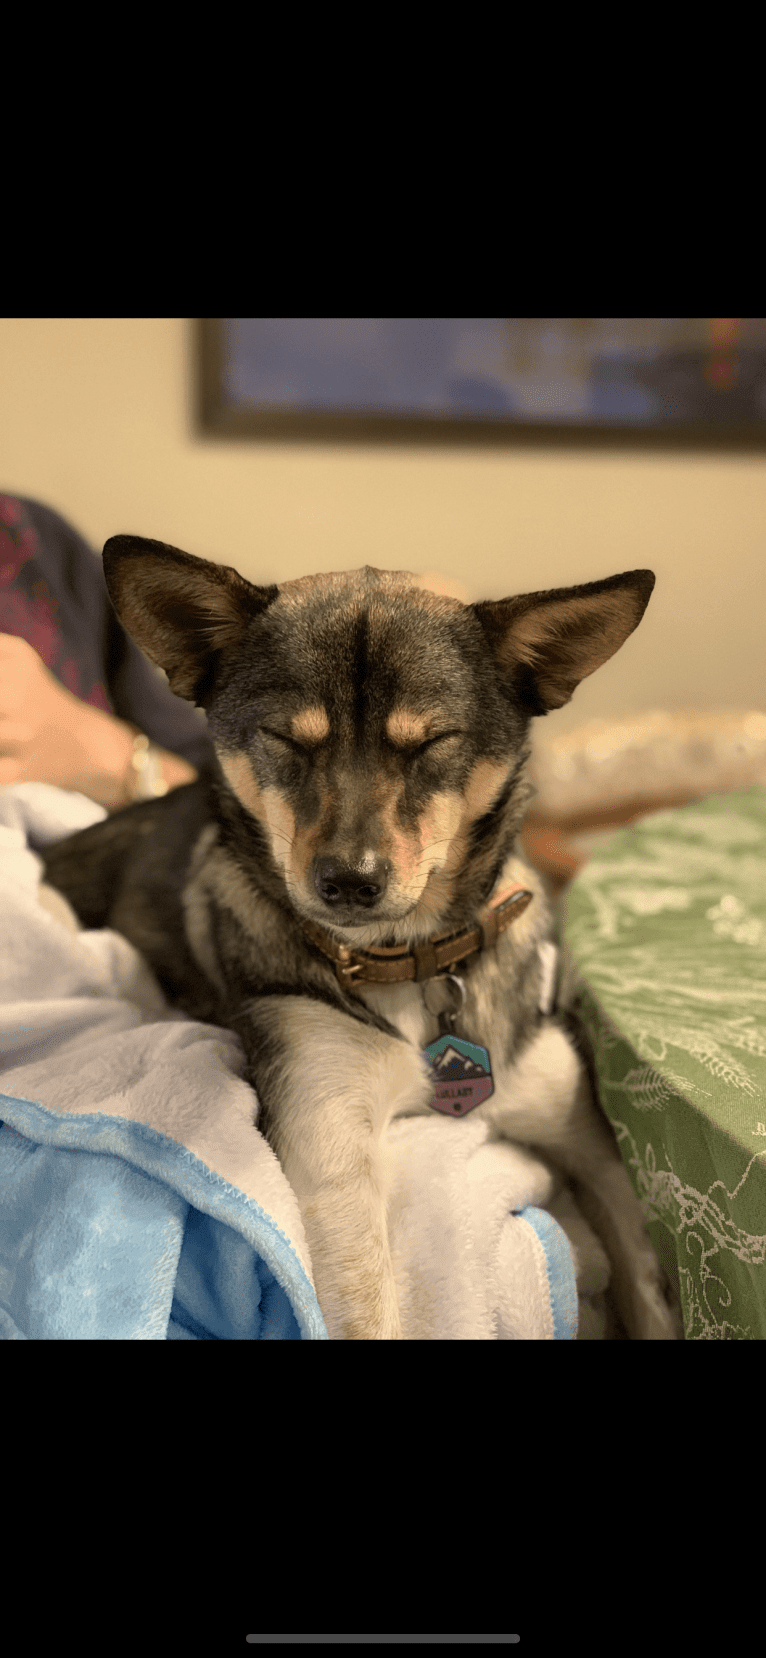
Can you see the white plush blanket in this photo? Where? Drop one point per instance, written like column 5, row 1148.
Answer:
column 140, row 1203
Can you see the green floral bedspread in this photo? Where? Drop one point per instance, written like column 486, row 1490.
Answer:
column 666, row 931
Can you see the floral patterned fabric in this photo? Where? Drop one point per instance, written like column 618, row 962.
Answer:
column 664, row 936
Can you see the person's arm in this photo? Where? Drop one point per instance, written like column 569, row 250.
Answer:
column 47, row 735
column 109, row 769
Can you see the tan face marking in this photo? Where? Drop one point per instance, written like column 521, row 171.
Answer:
column 405, row 728
column 311, row 725
column 292, row 848
column 480, row 793
column 414, row 853
column 236, row 769
column 270, row 807
column 483, row 787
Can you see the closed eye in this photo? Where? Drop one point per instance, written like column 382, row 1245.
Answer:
column 444, row 736
column 277, row 737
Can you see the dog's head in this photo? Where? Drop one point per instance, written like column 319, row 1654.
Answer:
column 372, row 734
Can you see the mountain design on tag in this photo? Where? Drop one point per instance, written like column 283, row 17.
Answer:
column 452, row 1064
column 462, row 1075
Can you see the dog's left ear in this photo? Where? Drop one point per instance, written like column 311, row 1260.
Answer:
column 545, row 643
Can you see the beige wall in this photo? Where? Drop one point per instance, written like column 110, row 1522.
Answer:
column 96, row 420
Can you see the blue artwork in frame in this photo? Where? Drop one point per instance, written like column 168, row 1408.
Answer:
column 699, row 380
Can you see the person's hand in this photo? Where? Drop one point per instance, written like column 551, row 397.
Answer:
column 47, row 735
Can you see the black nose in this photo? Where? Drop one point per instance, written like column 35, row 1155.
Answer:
column 341, row 883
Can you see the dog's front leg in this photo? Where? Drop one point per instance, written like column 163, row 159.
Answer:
column 329, row 1086
column 545, row 1100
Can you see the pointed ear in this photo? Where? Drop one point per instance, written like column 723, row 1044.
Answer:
column 181, row 610
column 544, row 643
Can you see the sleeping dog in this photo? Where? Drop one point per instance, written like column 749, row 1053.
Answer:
column 346, row 892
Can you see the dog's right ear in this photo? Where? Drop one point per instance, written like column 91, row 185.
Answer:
column 543, row 644
column 178, row 608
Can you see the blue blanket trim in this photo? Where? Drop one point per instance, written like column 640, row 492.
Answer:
column 112, row 1231
column 560, row 1267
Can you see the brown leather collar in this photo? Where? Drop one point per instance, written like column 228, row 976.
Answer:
column 393, row 963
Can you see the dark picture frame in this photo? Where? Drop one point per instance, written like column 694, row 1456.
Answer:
column 701, row 382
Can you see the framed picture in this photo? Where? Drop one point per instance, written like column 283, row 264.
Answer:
column 660, row 382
